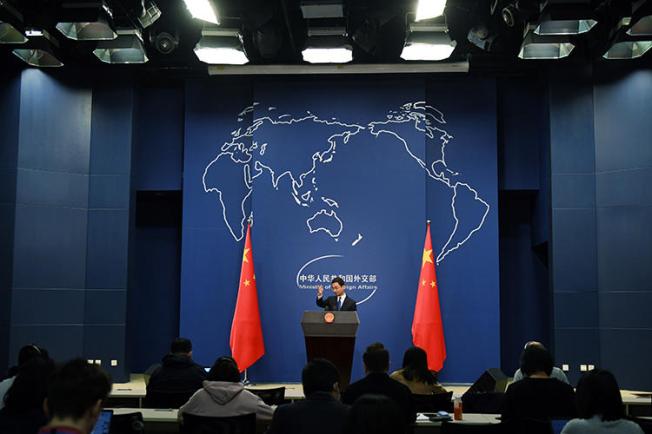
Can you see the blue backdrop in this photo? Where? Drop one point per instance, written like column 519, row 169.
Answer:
column 340, row 179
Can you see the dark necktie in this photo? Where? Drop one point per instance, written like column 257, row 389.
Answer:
column 339, row 303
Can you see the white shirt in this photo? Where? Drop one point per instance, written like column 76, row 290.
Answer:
column 4, row 386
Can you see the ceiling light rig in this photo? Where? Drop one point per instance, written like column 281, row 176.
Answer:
column 327, row 45
column 428, row 42
column 127, row 48
column 204, row 10
column 39, row 50
column 221, row 47
column 11, row 25
column 89, row 21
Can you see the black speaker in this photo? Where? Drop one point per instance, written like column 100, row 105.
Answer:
column 491, row 380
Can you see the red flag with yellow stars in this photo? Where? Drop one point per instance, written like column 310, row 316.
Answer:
column 427, row 326
column 246, row 341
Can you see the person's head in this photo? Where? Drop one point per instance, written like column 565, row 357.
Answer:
column 76, row 392
column 29, row 352
column 320, row 375
column 415, row 366
column 30, row 387
column 337, row 285
column 225, row 368
column 181, row 346
column 376, row 358
column 533, row 344
column 536, row 359
column 374, row 414
column 598, row 394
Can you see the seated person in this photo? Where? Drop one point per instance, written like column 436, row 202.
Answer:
column 377, row 382
column 23, row 412
column 556, row 372
column 416, row 375
column 374, row 414
column 222, row 395
column 320, row 380
column 538, row 396
column 176, row 379
column 600, row 407
column 74, row 398
column 25, row 354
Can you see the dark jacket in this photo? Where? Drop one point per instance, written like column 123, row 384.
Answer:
column 27, row 422
column 538, row 398
column 319, row 413
column 330, row 303
column 380, row 384
column 176, row 380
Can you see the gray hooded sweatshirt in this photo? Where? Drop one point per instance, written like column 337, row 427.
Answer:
column 224, row 399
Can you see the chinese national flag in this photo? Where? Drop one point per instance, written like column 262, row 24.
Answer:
column 427, row 327
column 246, row 331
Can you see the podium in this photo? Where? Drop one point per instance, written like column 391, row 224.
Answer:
column 331, row 335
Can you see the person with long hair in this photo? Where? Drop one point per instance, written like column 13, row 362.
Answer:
column 600, row 407
column 416, row 375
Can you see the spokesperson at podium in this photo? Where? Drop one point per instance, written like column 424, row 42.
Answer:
column 339, row 301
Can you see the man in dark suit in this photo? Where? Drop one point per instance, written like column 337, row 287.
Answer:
column 339, row 301
column 377, row 382
column 321, row 412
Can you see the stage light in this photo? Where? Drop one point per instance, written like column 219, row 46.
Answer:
column 327, row 45
column 221, row 47
column 89, row 21
column 39, row 50
column 628, row 49
column 428, row 43
column 10, row 25
column 561, row 17
column 427, row 9
column 126, row 48
column 545, row 47
column 203, row 10
column 149, row 15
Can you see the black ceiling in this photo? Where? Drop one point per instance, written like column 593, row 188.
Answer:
column 274, row 32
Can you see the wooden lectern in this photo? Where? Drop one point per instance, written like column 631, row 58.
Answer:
column 331, row 335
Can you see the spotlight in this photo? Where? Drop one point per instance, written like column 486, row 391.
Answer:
column 89, row 21
column 39, row 50
column 428, row 43
column 203, row 10
column 312, row 9
column 327, row 45
column 545, row 47
column 164, row 42
column 221, row 47
column 126, row 48
column 10, row 25
column 427, row 9
column 510, row 15
column 565, row 18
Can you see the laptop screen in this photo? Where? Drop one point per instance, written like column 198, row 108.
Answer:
column 103, row 423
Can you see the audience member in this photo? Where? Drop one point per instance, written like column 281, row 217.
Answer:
column 174, row 382
column 376, row 381
column 416, row 375
column 600, row 407
column 374, row 414
column 321, row 412
column 556, row 372
column 23, row 412
column 74, row 398
column 538, row 396
column 223, row 395
column 25, row 354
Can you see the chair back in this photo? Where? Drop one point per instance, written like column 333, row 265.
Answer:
column 433, row 403
column 485, row 403
column 244, row 424
column 130, row 423
column 165, row 399
column 275, row 396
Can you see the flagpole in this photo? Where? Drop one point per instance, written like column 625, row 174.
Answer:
column 246, row 381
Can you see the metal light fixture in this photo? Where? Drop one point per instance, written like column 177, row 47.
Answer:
column 150, row 14
column 561, row 17
column 126, row 48
column 428, row 43
column 545, row 47
column 89, row 21
column 10, row 25
column 427, row 9
column 39, row 50
column 312, row 9
column 221, row 47
column 628, row 47
column 327, row 45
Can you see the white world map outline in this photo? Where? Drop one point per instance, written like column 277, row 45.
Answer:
column 421, row 114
